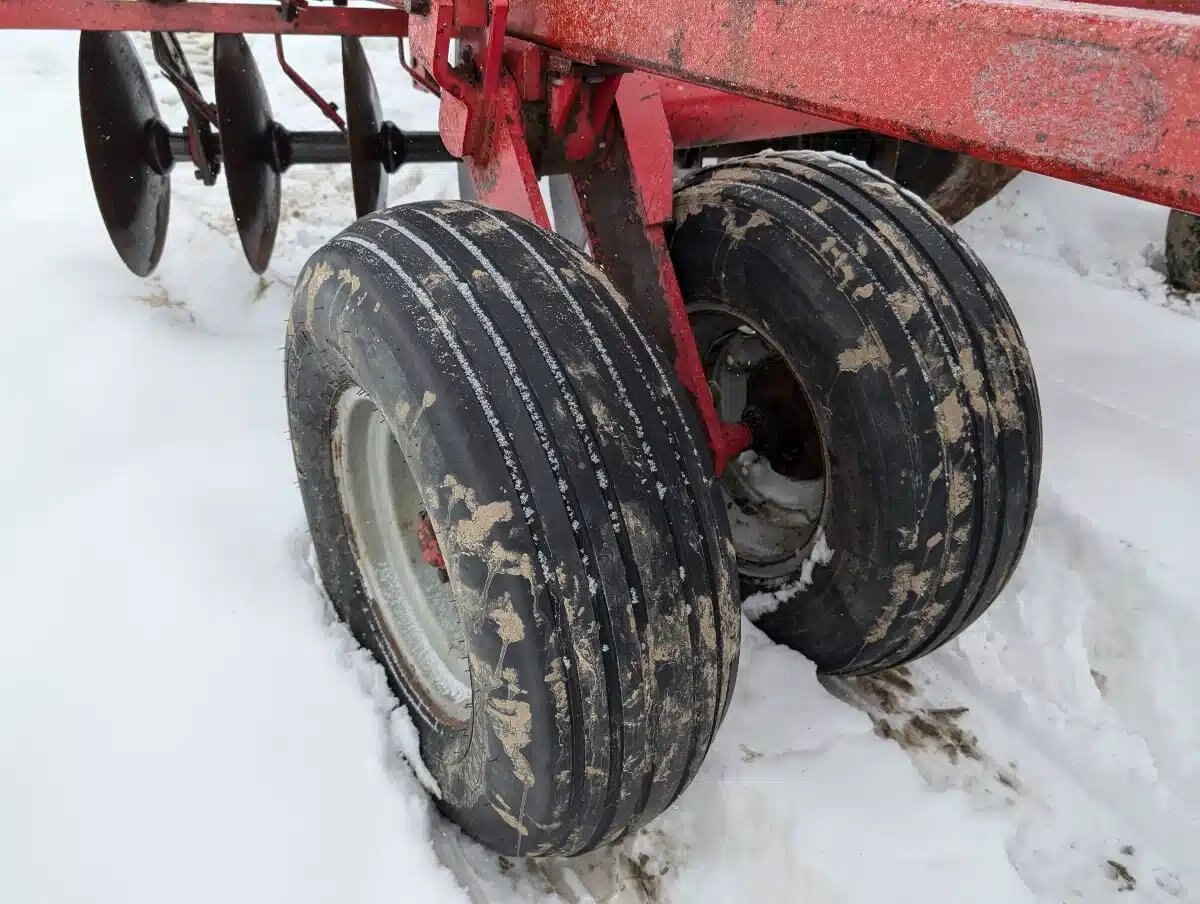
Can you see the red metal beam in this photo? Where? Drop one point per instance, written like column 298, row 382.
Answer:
column 1108, row 95
column 700, row 116
column 503, row 175
column 244, row 18
column 1166, row 6
column 624, row 201
column 1102, row 95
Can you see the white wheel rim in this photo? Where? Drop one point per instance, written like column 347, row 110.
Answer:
column 414, row 605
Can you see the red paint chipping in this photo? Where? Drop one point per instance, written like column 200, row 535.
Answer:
column 431, row 552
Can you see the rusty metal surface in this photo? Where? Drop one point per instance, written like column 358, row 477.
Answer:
column 244, row 18
column 1103, row 95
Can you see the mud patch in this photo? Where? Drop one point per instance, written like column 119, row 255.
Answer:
column 749, row 754
column 508, row 623
column 160, row 298
column 906, row 582
column 951, row 419
column 510, row 720
column 647, row 874
column 632, row 872
column 1120, row 874
column 889, row 697
column 737, row 233
column 868, row 353
column 312, row 285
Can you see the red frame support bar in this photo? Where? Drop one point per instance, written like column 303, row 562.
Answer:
column 1107, row 95
column 1103, row 95
column 218, row 18
column 700, row 116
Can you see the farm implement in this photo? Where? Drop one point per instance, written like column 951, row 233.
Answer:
column 544, row 473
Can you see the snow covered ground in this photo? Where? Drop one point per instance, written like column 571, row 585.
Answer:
column 182, row 722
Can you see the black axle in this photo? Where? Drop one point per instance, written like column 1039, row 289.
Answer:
column 291, row 148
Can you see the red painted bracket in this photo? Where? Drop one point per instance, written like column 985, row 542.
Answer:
column 469, row 93
column 503, row 172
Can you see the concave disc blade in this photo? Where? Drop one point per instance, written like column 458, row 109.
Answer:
column 363, row 116
column 244, row 118
column 117, row 107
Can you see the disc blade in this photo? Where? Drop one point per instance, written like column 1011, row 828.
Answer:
column 117, row 107
column 363, row 118
column 244, row 118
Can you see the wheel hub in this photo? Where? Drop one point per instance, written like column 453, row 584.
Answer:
column 775, row 491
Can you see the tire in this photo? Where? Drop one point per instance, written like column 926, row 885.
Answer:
column 894, row 396
column 1183, row 251
column 591, row 579
column 952, row 184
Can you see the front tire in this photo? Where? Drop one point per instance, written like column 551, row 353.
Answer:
column 468, row 399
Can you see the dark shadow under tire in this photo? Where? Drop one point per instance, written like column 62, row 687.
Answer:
column 917, row 384
column 591, row 582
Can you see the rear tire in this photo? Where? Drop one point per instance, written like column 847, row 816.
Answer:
column 897, row 433
column 591, row 584
column 1183, row 250
column 952, row 184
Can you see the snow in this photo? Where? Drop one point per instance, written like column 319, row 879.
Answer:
column 777, row 488
column 766, row 601
column 184, row 721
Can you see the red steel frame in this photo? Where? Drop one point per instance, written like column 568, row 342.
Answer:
column 1106, row 93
